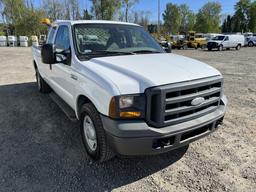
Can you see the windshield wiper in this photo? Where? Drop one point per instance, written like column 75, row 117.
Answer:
column 104, row 52
column 109, row 53
column 146, row 51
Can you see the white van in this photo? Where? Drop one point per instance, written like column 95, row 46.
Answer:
column 222, row 42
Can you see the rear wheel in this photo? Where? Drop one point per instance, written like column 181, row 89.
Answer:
column 93, row 134
column 42, row 86
column 238, row 47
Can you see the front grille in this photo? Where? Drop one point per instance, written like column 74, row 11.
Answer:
column 212, row 44
column 172, row 104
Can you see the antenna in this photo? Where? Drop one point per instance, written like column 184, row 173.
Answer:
column 158, row 22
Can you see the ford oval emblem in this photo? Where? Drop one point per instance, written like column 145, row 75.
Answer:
column 197, row 101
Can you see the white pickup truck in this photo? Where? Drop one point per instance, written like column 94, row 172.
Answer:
column 130, row 96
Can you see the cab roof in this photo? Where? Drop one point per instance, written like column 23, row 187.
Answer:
column 92, row 22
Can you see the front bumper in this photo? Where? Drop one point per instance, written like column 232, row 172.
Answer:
column 213, row 46
column 137, row 138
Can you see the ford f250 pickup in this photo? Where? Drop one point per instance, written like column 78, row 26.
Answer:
column 130, row 96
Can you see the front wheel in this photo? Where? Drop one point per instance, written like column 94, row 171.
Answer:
column 203, row 46
column 93, row 134
column 221, row 48
column 250, row 44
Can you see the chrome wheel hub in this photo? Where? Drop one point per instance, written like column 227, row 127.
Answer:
column 90, row 133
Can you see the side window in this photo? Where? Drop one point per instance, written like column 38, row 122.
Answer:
column 62, row 38
column 51, row 35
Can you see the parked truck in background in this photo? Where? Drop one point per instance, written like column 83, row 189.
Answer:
column 42, row 39
column 130, row 96
column 250, row 41
column 196, row 40
column 179, row 42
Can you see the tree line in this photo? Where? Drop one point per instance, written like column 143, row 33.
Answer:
column 180, row 18
column 244, row 18
column 21, row 17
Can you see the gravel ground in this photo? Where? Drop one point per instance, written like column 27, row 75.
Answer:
column 41, row 150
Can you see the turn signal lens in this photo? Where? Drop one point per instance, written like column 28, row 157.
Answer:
column 112, row 108
column 130, row 114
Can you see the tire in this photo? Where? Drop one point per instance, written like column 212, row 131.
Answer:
column 221, row 48
column 209, row 49
column 42, row 86
column 203, row 47
column 238, row 47
column 94, row 137
column 250, row 44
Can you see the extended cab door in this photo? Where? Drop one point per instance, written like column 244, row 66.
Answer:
column 61, row 72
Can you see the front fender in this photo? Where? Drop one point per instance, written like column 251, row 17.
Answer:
column 99, row 94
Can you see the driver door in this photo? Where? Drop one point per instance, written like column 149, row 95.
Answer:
column 61, row 71
column 226, row 42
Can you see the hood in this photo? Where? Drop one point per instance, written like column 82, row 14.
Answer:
column 215, row 41
column 135, row 73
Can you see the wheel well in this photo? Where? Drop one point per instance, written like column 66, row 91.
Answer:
column 80, row 101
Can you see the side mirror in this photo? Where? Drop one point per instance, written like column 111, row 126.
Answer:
column 169, row 48
column 63, row 56
column 48, row 54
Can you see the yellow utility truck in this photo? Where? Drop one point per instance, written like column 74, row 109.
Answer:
column 196, row 40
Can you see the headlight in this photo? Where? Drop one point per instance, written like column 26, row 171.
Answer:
column 126, row 101
column 127, row 107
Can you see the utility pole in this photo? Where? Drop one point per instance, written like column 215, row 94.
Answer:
column 158, row 22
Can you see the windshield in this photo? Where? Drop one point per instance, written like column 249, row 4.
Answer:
column 219, row 38
column 98, row 40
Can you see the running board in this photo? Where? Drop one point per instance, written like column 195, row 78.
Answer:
column 70, row 113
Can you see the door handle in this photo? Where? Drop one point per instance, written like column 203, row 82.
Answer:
column 73, row 77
